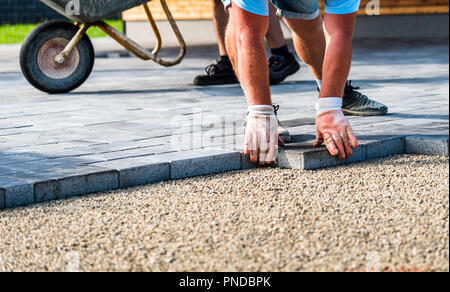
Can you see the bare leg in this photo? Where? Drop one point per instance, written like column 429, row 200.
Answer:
column 309, row 42
column 274, row 36
column 339, row 33
column 246, row 47
column 220, row 24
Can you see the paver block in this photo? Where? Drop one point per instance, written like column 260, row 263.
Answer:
column 201, row 162
column 385, row 147
column 246, row 163
column 60, row 183
column 290, row 159
column 428, row 145
column 139, row 171
column 305, row 157
column 7, row 170
column 75, row 182
column 2, row 198
column 15, row 193
column 19, row 158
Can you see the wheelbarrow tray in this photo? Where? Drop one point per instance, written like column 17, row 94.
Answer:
column 91, row 10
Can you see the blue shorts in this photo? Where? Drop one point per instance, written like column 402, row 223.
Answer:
column 299, row 9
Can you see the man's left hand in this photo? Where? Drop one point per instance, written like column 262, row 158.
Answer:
column 334, row 129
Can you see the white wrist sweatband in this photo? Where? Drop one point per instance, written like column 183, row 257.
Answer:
column 261, row 110
column 328, row 104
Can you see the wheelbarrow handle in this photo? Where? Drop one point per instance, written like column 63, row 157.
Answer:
column 176, row 31
column 142, row 52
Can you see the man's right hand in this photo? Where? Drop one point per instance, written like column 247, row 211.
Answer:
column 261, row 135
column 334, row 129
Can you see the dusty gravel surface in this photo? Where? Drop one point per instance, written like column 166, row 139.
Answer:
column 389, row 214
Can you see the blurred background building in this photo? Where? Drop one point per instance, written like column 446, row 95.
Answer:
column 399, row 19
column 396, row 19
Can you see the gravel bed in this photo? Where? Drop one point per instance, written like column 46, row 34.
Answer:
column 388, row 215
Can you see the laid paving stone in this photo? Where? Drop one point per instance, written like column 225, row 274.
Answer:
column 75, row 182
column 385, row 147
column 428, row 145
column 201, row 162
column 58, row 183
column 6, row 170
column 6, row 159
column 2, row 198
column 42, row 165
column 246, row 163
column 125, row 154
column 15, row 193
column 139, row 171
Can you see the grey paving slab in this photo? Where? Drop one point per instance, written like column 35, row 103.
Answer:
column 385, row 147
column 201, row 162
column 39, row 186
column 139, row 171
column 306, row 157
column 15, row 193
column 2, row 198
column 74, row 182
column 429, row 145
column 134, row 122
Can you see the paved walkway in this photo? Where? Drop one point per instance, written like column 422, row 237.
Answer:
column 134, row 122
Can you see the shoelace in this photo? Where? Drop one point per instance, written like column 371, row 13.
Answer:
column 276, row 108
column 353, row 91
column 274, row 62
column 215, row 68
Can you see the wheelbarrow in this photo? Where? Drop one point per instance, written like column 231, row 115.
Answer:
column 58, row 56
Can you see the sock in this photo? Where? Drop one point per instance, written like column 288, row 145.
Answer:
column 282, row 52
column 225, row 59
column 319, row 83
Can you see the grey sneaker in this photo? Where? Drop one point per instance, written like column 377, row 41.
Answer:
column 283, row 133
column 358, row 104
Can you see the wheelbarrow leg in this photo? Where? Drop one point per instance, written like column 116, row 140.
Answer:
column 73, row 42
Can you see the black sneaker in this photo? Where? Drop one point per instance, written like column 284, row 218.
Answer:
column 281, row 68
column 217, row 74
column 358, row 104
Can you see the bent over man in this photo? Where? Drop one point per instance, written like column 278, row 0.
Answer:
column 325, row 44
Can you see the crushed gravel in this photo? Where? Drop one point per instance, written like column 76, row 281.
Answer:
column 388, row 215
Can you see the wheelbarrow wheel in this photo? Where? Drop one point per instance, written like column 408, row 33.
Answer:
column 43, row 44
